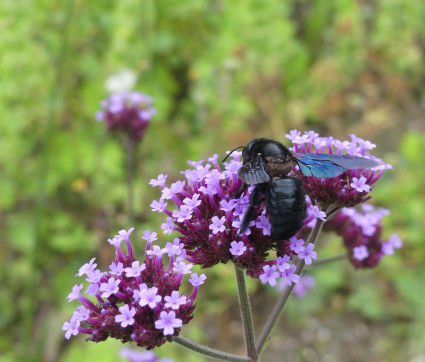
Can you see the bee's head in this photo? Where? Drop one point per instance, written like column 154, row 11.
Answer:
column 261, row 147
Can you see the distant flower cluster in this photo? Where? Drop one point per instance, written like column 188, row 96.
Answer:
column 304, row 285
column 127, row 112
column 135, row 301
column 361, row 232
column 351, row 187
column 133, row 355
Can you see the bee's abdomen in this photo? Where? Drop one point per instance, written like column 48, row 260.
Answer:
column 286, row 206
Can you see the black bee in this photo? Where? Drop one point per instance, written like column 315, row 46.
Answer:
column 266, row 164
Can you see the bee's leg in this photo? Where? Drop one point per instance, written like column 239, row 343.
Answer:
column 241, row 191
column 250, row 211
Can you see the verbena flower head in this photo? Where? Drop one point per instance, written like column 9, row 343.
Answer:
column 134, row 300
column 361, row 232
column 127, row 112
column 351, row 187
column 204, row 211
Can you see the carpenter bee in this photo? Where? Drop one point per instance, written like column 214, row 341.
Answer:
column 266, row 164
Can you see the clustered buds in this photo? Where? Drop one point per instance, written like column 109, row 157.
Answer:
column 128, row 112
column 351, row 187
column 361, row 232
column 135, row 301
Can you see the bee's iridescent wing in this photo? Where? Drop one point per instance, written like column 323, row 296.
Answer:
column 326, row 166
column 254, row 172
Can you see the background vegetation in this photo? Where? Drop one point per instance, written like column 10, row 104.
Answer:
column 221, row 72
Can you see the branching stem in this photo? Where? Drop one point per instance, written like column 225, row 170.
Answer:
column 210, row 352
column 280, row 305
column 246, row 314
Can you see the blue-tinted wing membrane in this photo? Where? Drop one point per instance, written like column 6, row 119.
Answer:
column 254, row 172
column 326, row 166
column 318, row 168
column 349, row 162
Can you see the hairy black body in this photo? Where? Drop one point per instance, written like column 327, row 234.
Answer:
column 285, row 202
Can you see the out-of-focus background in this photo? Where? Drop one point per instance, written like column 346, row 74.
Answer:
column 221, row 73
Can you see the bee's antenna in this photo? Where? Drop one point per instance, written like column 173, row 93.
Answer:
column 225, row 158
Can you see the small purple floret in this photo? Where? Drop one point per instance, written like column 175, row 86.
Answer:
column 167, row 322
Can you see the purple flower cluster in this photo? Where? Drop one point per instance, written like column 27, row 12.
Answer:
column 361, row 232
column 208, row 218
column 128, row 112
column 135, row 301
column 351, row 187
column 204, row 211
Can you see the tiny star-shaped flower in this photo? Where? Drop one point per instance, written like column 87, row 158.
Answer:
column 217, row 224
column 149, row 297
column 196, row 280
column 296, row 245
column 71, row 328
column 360, row 185
column 237, row 248
column 75, row 292
column 86, row 268
column 182, row 267
column 160, row 181
column 308, row 254
column 110, row 287
column 116, row 269
column 317, row 213
column 82, row 313
column 270, row 275
column 360, row 252
column 126, row 316
column 168, row 321
column 174, row 301
column 135, row 269
column 149, row 237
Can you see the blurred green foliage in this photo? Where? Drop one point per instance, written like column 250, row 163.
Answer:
column 221, row 73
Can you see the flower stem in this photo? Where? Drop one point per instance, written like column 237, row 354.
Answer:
column 129, row 146
column 246, row 314
column 331, row 212
column 210, row 352
column 280, row 305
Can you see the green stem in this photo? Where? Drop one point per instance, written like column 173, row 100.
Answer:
column 331, row 212
column 210, row 352
column 246, row 314
column 129, row 146
column 280, row 305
